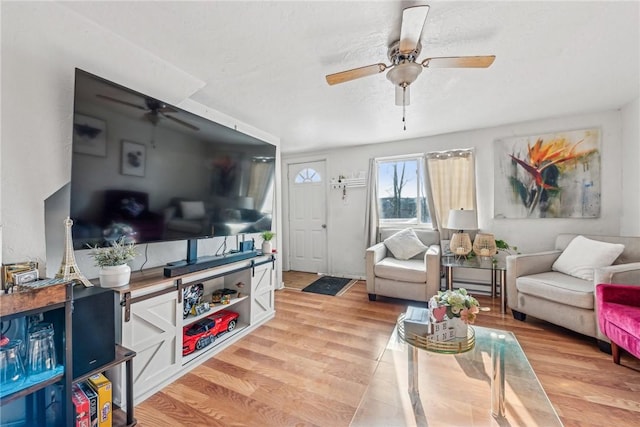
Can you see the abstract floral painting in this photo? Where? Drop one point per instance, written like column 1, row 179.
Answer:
column 555, row 175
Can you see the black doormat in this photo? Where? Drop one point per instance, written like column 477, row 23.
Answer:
column 329, row 285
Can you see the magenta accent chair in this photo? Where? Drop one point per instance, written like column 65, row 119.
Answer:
column 618, row 308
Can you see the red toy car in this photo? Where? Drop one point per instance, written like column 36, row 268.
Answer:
column 203, row 332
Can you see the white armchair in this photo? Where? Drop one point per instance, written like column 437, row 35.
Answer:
column 417, row 278
column 535, row 288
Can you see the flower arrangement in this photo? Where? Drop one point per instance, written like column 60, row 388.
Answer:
column 459, row 304
column 120, row 252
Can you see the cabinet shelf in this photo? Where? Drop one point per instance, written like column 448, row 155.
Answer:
column 215, row 307
column 122, row 355
column 26, row 388
column 219, row 340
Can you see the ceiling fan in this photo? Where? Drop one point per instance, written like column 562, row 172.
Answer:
column 403, row 54
column 154, row 110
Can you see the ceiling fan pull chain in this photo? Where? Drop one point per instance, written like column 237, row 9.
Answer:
column 404, row 106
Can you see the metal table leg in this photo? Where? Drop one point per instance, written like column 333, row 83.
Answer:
column 414, row 389
column 497, row 375
column 493, row 282
column 448, row 273
column 503, row 291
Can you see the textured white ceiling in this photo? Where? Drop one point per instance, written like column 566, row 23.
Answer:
column 264, row 62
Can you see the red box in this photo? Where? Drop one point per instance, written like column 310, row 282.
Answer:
column 93, row 402
column 81, row 404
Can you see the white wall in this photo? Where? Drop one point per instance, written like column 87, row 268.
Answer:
column 42, row 44
column 345, row 219
column 630, row 219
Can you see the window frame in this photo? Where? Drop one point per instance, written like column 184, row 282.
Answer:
column 421, row 191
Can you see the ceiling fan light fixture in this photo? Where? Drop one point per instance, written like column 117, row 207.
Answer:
column 404, row 73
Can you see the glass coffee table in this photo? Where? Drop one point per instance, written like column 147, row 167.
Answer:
column 498, row 268
column 416, row 387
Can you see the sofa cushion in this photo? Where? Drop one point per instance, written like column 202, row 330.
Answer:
column 192, row 210
column 404, row 244
column 558, row 287
column 411, row 270
column 582, row 255
column 625, row 317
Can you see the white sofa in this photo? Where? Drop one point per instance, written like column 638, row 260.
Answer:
column 415, row 279
column 534, row 288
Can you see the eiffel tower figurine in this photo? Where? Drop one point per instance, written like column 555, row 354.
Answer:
column 69, row 267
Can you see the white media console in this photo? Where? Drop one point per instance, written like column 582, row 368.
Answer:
column 151, row 321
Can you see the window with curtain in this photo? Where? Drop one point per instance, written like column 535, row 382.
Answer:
column 418, row 190
column 401, row 193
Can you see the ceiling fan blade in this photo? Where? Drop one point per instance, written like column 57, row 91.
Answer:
column 155, row 105
column 189, row 125
column 459, row 62
column 399, row 96
column 413, row 19
column 130, row 104
column 167, row 109
column 356, row 73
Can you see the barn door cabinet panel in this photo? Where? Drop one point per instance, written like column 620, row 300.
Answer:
column 150, row 327
column 262, row 290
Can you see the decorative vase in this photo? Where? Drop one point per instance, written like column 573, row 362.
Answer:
column 114, row 276
column 266, row 247
column 459, row 327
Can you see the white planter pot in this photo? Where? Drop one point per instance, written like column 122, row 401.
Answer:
column 115, row 276
column 266, row 247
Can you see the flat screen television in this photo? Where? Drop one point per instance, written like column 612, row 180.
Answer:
column 152, row 172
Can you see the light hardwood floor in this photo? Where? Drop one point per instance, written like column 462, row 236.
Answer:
column 311, row 365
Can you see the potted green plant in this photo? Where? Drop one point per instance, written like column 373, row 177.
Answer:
column 112, row 260
column 267, row 235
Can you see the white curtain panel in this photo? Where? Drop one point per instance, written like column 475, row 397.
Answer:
column 371, row 208
column 452, row 180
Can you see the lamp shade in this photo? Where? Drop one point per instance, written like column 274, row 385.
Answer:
column 460, row 219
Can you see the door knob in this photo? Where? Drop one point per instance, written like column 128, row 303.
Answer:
column 324, row 225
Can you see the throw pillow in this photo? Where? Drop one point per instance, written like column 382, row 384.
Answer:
column 192, row 210
column 582, row 255
column 404, row 244
column 131, row 208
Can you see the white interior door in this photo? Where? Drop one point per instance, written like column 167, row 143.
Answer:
column 308, row 217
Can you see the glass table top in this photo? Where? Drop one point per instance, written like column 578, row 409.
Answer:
column 485, row 263
column 454, row 390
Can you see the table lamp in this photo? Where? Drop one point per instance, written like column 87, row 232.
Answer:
column 460, row 219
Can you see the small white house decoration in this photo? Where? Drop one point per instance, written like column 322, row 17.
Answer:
column 442, row 331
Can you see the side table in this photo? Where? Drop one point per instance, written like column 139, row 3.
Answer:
column 497, row 267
